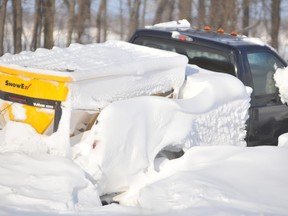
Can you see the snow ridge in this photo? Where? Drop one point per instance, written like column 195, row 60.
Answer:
column 227, row 123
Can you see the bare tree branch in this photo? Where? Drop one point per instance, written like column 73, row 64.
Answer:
column 2, row 25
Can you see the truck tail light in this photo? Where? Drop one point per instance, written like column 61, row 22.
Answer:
column 178, row 36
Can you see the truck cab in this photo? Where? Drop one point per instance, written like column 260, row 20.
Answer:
column 250, row 60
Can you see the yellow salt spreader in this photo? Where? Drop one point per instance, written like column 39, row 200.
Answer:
column 32, row 98
column 35, row 85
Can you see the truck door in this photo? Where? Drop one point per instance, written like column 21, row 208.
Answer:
column 268, row 116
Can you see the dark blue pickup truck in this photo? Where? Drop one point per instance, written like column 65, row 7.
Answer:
column 253, row 62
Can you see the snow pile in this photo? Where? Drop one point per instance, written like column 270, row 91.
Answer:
column 223, row 176
column 172, row 24
column 129, row 134
column 100, row 72
column 206, row 180
column 27, row 141
column 31, row 179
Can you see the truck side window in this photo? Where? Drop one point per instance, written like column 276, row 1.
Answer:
column 263, row 66
column 154, row 43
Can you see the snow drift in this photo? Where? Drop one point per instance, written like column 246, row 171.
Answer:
column 221, row 176
column 129, row 134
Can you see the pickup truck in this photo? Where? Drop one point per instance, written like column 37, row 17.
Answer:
column 252, row 61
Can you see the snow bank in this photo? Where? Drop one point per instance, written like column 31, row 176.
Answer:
column 102, row 73
column 211, row 180
column 130, row 134
column 44, row 182
column 222, row 177
column 32, row 179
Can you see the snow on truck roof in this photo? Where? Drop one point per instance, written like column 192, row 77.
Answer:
column 98, row 60
column 185, row 28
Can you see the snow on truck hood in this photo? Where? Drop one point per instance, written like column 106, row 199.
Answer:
column 98, row 74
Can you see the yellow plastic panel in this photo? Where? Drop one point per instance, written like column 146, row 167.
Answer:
column 38, row 118
column 35, row 88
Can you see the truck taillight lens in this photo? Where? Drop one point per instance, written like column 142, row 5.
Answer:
column 178, row 36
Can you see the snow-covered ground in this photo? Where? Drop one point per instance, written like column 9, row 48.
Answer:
column 133, row 156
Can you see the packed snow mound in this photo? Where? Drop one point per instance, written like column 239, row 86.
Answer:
column 27, row 141
column 158, row 124
column 44, row 182
column 31, row 177
column 216, row 88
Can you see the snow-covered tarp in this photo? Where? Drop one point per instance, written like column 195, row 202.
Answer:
column 100, row 72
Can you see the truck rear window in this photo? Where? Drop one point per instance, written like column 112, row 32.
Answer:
column 203, row 57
